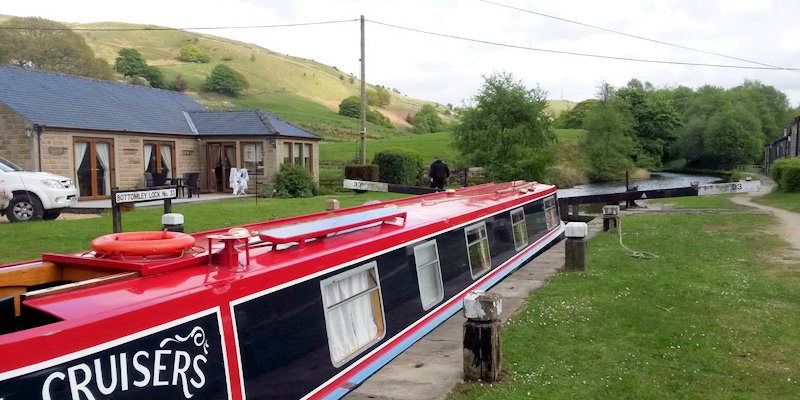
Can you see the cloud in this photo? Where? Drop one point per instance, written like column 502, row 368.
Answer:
column 448, row 71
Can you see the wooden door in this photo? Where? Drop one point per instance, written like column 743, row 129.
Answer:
column 94, row 167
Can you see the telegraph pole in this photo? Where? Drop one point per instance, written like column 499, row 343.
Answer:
column 363, row 124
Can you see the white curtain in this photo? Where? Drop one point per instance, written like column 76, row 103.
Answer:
column 103, row 157
column 350, row 325
column 148, row 153
column 80, row 152
column 166, row 159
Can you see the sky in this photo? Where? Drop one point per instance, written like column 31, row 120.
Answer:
column 446, row 70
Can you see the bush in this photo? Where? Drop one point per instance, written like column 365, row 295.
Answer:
column 427, row 120
column 130, row 62
column 378, row 119
column 294, row 181
column 350, row 106
column 362, row 172
column 779, row 168
column 399, row 166
column 155, row 77
column 180, row 84
column 193, row 53
column 225, row 80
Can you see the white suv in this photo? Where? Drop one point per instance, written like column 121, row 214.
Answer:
column 36, row 195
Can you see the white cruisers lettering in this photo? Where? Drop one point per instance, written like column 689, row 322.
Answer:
column 110, row 374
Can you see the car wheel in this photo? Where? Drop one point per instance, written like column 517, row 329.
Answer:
column 50, row 215
column 23, row 208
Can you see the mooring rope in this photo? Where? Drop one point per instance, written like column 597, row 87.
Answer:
column 634, row 253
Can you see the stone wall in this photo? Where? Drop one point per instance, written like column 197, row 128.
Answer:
column 15, row 145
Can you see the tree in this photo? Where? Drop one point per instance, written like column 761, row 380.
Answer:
column 507, row 130
column 427, row 120
column 130, row 62
column 350, row 107
column 155, row 77
column 379, row 97
column 193, row 53
column 734, row 136
column 225, row 80
column 573, row 118
column 655, row 122
column 608, row 145
column 50, row 46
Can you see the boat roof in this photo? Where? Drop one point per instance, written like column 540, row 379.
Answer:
column 350, row 235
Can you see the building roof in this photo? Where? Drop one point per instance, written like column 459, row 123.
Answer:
column 65, row 101
column 244, row 122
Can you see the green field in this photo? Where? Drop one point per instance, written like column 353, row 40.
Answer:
column 776, row 198
column 712, row 318
column 24, row 241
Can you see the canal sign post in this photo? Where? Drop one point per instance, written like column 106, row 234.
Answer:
column 127, row 196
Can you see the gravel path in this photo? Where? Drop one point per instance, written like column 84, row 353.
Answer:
column 788, row 226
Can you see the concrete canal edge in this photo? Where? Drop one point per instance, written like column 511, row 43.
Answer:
column 434, row 365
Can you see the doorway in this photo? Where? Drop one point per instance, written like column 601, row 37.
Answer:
column 220, row 158
column 94, row 166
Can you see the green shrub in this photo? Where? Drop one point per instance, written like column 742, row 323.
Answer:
column 427, row 120
column 780, row 167
column 790, row 179
column 399, row 166
column 362, row 172
column 193, row 53
column 350, row 107
column 294, row 181
column 225, row 80
column 378, row 119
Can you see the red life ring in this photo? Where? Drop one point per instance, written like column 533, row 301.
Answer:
column 148, row 243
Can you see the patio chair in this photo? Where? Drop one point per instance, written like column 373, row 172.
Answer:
column 190, row 183
column 148, row 179
column 159, row 179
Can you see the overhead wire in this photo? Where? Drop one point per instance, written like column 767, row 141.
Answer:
column 197, row 28
column 634, row 36
column 573, row 53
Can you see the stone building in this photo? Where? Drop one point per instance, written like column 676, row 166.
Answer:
column 785, row 146
column 105, row 134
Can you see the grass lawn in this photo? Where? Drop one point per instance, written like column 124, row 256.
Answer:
column 776, row 198
column 26, row 241
column 711, row 319
column 720, row 202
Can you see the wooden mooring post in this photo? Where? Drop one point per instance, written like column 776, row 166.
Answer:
column 611, row 219
column 482, row 351
column 576, row 258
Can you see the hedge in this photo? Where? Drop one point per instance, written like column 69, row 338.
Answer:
column 399, row 166
column 294, row 181
column 786, row 173
column 362, row 172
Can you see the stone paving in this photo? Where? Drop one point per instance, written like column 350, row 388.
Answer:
column 433, row 366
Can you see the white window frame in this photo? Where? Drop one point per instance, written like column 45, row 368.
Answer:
column 518, row 246
column 373, row 265
column 551, row 222
column 479, row 225
column 419, row 248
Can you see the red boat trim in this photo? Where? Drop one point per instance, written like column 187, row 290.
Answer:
column 125, row 339
column 483, row 278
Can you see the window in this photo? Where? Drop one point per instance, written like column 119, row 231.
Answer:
column 478, row 249
column 307, row 156
column 551, row 213
column 519, row 228
column 298, row 154
column 159, row 158
column 353, row 312
column 429, row 274
column 253, row 157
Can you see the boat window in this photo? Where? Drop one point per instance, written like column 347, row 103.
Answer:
column 478, row 249
column 429, row 274
column 353, row 312
column 551, row 213
column 519, row 228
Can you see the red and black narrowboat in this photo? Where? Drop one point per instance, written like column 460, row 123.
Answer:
column 305, row 307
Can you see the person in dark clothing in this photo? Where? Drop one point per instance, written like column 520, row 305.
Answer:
column 438, row 173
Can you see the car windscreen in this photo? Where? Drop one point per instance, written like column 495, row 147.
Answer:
column 8, row 166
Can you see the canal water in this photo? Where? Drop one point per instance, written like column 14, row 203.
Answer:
column 658, row 180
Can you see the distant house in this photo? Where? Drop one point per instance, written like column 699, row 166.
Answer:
column 785, row 146
column 105, row 134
